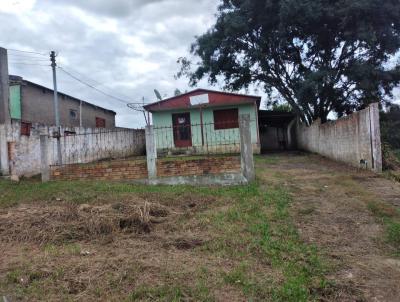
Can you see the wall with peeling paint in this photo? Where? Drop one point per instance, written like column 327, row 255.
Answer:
column 24, row 151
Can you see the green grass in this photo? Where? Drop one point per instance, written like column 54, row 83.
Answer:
column 258, row 227
column 90, row 192
column 254, row 231
column 390, row 217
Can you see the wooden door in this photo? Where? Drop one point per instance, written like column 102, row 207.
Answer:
column 182, row 130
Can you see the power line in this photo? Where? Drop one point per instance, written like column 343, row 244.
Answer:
column 11, row 55
column 82, row 75
column 25, row 51
column 93, row 87
column 23, row 63
column 97, row 82
column 21, row 60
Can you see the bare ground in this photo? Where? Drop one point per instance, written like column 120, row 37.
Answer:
column 332, row 210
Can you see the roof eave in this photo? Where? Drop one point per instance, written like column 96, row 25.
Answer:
column 69, row 96
column 151, row 110
column 258, row 98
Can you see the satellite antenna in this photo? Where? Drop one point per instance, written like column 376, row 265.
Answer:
column 158, row 94
column 139, row 107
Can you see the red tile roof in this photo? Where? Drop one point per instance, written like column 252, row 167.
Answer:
column 216, row 98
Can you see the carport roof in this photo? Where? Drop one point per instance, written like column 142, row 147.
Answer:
column 273, row 118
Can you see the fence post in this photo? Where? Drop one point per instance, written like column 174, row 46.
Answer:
column 44, row 158
column 246, row 149
column 151, row 152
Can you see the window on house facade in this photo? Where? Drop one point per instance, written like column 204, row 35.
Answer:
column 226, row 119
column 73, row 115
column 100, row 122
column 26, row 128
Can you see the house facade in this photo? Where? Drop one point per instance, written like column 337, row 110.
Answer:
column 33, row 103
column 204, row 120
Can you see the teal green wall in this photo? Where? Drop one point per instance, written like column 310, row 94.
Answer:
column 15, row 102
column 164, row 136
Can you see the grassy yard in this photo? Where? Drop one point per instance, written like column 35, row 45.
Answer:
column 296, row 234
column 230, row 243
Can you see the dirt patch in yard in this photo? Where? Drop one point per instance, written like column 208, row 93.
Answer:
column 65, row 222
column 60, row 222
column 332, row 209
column 109, row 251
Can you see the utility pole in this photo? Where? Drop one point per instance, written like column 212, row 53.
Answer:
column 5, row 119
column 56, row 110
column 4, row 88
column 80, row 114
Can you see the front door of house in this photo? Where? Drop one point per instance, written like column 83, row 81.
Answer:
column 182, row 130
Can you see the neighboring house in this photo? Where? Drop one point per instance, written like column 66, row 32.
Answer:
column 203, row 119
column 33, row 103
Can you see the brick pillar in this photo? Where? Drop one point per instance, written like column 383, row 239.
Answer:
column 44, row 158
column 151, row 152
column 246, row 148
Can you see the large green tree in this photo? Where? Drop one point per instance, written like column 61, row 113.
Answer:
column 390, row 126
column 320, row 56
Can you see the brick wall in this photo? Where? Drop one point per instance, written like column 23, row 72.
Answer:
column 201, row 166
column 107, row 170
column 137, row 169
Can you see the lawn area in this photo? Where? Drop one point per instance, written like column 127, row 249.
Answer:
column 307, row 229
column 122, row 242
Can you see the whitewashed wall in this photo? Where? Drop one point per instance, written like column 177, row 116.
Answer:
column 350, row 139
column 86, row 146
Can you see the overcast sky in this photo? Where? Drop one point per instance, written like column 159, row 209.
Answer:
column 129, row 47
column 123, row 47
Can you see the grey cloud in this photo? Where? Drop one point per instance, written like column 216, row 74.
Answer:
column 100, row 56
column 109, row 8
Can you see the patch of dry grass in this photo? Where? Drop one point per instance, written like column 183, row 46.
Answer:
column 133, row 243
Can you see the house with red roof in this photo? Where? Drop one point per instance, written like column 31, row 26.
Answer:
column 204, row 119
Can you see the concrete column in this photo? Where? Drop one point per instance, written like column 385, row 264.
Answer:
column 246, row 148
column 376, row 148
column 4, row 162
column 44, row 158
column 4, row 88
column 151, row 152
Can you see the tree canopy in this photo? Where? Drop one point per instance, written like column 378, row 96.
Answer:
column 390, row 125
column 319, row 56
